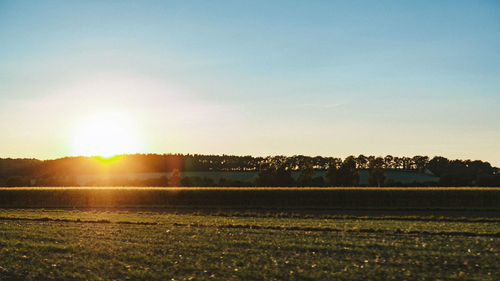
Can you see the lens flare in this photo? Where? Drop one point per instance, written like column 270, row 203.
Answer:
column 106, row 134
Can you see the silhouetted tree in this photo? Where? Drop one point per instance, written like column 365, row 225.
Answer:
column 438, row 165
column 420, row 162
column 174, row 179
column 64, row 171
column 361, row 162
column 348, row 173
column 331, row 175
column 306, row 174
column 388, row 160
column 275, row 172
column 376, row 172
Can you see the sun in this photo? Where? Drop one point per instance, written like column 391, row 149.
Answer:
column 106, row 134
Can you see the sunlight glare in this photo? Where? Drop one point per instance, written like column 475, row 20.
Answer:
column 106, row 134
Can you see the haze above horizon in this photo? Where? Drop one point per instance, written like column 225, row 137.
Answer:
column 330, row 78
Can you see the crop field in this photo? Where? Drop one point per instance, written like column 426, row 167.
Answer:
column 205, row 241
column 319, row 198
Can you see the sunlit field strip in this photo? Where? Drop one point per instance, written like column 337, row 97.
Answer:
column 246, row 188
column 352, row 223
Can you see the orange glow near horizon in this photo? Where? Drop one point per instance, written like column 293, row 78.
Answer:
column 106, row 134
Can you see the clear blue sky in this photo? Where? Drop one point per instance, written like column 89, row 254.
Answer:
column 329, row 78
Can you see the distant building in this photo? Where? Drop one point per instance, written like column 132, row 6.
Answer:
column 405, row 177
column 393, row 177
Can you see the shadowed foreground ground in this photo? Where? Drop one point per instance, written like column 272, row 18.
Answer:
column 140, row 244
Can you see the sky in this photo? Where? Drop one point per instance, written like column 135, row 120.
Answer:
column 330, row 78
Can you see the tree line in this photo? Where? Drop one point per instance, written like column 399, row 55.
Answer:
column 271, row 170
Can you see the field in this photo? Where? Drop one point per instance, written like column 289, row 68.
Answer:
column 317, row 198
column 200, row 234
